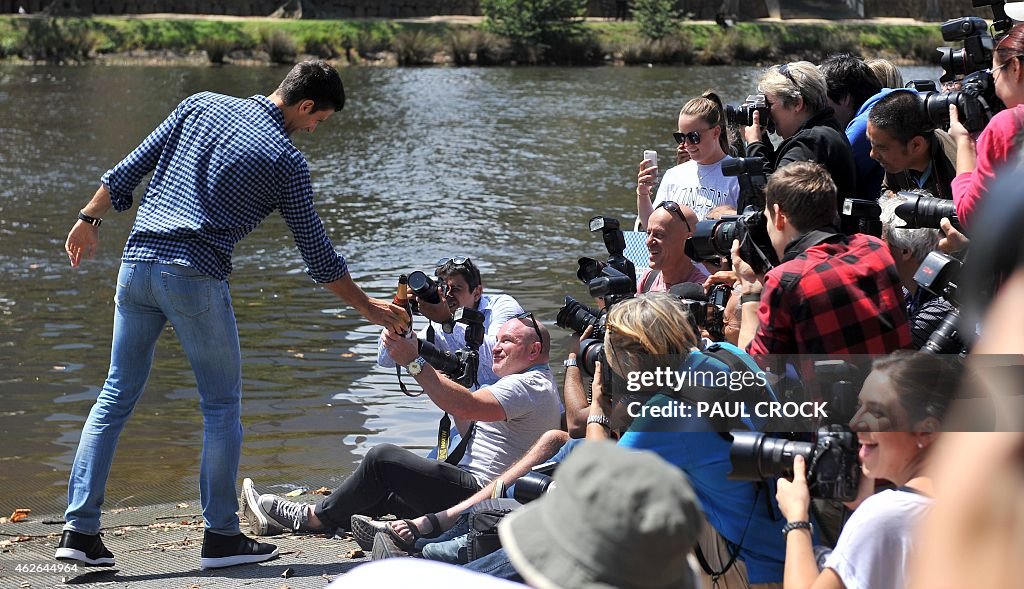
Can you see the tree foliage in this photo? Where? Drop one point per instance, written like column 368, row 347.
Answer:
column 534, row 22
column 657, row 19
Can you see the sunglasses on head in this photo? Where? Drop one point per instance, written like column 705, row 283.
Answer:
column 673, row 208
column 533, row 322
column 456, row 261
column 693, row 137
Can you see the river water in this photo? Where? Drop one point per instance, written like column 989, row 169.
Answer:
column 505, row 165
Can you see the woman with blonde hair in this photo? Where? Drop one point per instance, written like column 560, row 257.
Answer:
column 797, row 98
column 888, row 74
column 697, row 182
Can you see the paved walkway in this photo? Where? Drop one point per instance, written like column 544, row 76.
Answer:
column 158, row 547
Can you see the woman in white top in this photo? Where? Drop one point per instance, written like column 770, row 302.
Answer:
column 697, row 183
column 897, row 421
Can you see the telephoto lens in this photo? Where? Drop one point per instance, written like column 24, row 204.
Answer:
column 424, row 287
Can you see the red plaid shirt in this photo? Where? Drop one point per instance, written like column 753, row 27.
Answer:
column 842, row 296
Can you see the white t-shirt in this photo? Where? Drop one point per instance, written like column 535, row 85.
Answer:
column 875, row 546
column 419, row 573
column 532, row 406
column 698, row 186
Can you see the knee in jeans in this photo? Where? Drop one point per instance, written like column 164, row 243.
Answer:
column 380, row 451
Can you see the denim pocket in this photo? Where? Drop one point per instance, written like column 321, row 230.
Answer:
column 124, row 280
column 188, row 294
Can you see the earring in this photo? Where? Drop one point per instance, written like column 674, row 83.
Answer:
column 920, row 446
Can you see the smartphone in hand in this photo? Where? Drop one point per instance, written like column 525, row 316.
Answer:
column 650, row 154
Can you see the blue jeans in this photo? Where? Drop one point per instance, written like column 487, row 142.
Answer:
column 450, row 546
column 199, row 308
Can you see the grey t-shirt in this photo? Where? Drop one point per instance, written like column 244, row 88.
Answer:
column 532, row 406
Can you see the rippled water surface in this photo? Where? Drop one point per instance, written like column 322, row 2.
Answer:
column 504, row 165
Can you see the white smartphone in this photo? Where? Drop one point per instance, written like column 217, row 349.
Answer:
column 650, row 154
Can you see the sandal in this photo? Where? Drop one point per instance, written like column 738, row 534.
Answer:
column 409, row 546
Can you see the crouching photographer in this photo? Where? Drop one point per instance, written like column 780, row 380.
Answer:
column 902, row 404
column 978, row 161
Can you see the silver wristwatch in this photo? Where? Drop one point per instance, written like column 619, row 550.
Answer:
column 416, row 366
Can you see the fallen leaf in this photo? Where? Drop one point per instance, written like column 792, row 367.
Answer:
column 296, row 492
column 287, row 572
column 322, row 491
column 182, row 506
column 346, row 355
column 357, row 553
column 20, row 515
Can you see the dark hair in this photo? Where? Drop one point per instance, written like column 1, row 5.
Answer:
column 467, row 270
column 848, row 75
column 805, row 192
column 901, row 114
column 926, row 383
column 1011, row 45
column 708, row 107
column 314, row 80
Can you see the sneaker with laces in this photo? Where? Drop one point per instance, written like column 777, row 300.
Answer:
column 385, row 547
column 287, row 514
column 83, row 548
column 224, row 551
column 364, row 528
column 259, row 523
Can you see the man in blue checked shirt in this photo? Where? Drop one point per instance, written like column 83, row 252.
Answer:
column 220, row 166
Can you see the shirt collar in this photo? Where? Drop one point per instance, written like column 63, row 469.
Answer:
column 272, row 109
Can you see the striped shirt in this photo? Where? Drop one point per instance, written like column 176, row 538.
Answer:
column 220, row 166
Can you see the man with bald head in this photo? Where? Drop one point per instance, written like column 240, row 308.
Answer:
column 668, row 228
column 509, row 415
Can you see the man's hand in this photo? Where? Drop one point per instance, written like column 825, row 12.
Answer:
column 793, row 496
column 954, row 241
column 381, row 312
column 436, row 312
column 82, row 239
column 402, row 349
column 727, row 277
column 748, row 280
column 682, row 156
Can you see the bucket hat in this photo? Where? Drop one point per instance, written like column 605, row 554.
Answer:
column 613, row 518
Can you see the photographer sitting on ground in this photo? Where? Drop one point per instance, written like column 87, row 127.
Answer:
column 832, row 294
column 510, row 416
column 797, row 99
column 912, row 151
column 461, row 286
column 909, row 247
column 902, row 404
column 669, row 226
column 697, row 181
column 977, row 163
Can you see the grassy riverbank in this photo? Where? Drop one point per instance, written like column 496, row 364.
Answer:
column 355, row 42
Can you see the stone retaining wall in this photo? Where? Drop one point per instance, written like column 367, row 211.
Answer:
column 700, row 9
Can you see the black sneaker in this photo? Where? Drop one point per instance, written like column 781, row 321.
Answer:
column 83, row 548
column 225, row 551
column 385, row 547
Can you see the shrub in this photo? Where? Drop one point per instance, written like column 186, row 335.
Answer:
column 579, row 49
column 279, row 46
column 534, row 22
column 657, row 19
column 216, row 48
column 57, row 40
column 414, row 47
column 668, row 50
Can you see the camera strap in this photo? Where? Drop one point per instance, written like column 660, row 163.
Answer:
column 733, row 550
column 444, row 429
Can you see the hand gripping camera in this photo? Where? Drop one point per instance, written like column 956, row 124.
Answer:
column 462, row 364
column 713, row 238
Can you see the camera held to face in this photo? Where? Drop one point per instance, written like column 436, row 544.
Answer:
column 462, row 364
column 833, row 469
column 713, row 238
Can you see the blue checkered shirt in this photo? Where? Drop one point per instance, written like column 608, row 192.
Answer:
column 221, row 165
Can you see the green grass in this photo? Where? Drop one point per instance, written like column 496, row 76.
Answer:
column 61, row 40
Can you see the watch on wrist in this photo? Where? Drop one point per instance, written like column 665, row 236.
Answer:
column 601, row 419
column 416, row 366
column 94, row 221
column 750, row 297
column 569, row 362
column 790, row 526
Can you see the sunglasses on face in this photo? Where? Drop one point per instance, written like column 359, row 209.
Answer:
column 693, row 137
column 673, row 208
column 533, row 322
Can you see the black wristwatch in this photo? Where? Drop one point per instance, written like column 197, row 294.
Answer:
column 790, row 526
column 750, row 297
column 94, row 221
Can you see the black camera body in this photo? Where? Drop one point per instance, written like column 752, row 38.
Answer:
column 713, row 238
column 752, row 174
column 976, row 102
column 976, row 54
column 860, row 216
column 743, row 115
column 939, row 274
column 924, row 212
column 615, row 243
column 425, row 288
column 462, row 364
column 833, row 469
